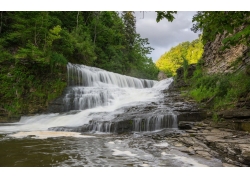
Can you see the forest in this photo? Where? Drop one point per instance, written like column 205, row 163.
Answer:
column 36, row 46
column 102, row 39
column 170, row 61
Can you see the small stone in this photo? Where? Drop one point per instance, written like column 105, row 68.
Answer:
column 178, row 145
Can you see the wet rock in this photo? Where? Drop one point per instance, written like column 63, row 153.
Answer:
column 200, row 144
column 185, row 125
column 204, row 154
column 245, row 156
column 228, row 165
column 187, row 140
column 230, row 161
column 231, row 151
column 215, row 131
column 191, row 116
column 198, row 148
column 123, row 126
column 214, row 153
column 233, row 147
column 236, row 113
column 184, row 135
column 183, row 149
column 191, row 131
column 191, row 151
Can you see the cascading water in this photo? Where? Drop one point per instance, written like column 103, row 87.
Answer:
column 155, row 123
column 103, row 101
column 90, row 87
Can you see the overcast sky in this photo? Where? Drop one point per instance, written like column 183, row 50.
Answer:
column 164, row 35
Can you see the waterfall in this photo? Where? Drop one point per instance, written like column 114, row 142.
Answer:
column 81, row 75
column 96, row 100
column 156, row 122
column 90, row 87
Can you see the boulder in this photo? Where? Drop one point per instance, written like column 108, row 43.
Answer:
column 161, row 76
column 185, row 125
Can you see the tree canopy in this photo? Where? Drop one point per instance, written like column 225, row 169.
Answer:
column 235, row 25
column 101, row 39
column 170, row 61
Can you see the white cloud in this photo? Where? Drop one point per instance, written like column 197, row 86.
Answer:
column 164, row 35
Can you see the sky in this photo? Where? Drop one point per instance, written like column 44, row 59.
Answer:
column 164, row 35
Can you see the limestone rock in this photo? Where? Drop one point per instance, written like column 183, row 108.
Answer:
column 161, row 76
column 204, row 154
column 228, row 165
column 236, row 113
column 216, row 61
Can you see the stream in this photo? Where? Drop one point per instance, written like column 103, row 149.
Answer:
column 103, row 119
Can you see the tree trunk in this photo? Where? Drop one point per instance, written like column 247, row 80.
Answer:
column 77, row 20
column 97, row 18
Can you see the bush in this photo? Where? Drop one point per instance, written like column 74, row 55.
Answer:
column 218, row 91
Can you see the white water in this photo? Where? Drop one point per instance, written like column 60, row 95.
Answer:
column 94, row 91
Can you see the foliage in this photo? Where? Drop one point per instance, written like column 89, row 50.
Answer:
column 26, row 87
column 165, row 14
column 233, row 24
column 218, row 91
column 173, row 59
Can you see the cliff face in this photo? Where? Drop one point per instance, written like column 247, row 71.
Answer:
column 233, row 60
column 228, row 61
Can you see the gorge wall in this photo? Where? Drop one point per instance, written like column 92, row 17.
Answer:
column 228, row 61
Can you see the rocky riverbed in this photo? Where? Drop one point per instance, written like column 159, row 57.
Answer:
column 202, row 139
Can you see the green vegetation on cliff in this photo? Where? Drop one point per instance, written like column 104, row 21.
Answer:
column 218, row 91
column 173, row 59
column 36, row 46
column 27, row 88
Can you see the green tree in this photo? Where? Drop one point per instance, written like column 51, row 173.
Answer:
column 233, row 24
column 173, row 59
column 165, row 14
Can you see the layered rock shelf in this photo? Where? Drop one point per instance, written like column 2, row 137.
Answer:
column 203, row 139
